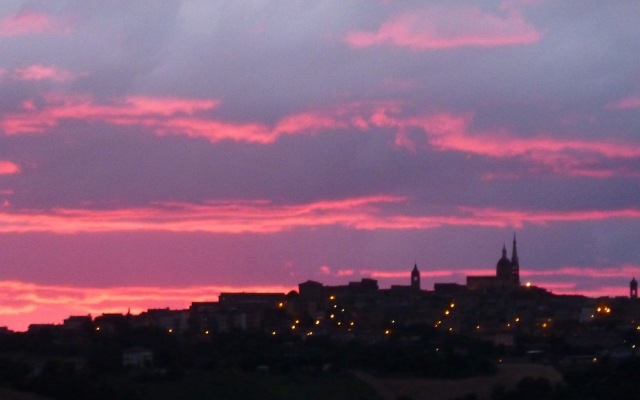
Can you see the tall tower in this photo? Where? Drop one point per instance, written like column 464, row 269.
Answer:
column 415, row 278
column 633, row 288
column 515, row 264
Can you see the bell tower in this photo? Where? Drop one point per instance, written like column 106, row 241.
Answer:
column 415, row 278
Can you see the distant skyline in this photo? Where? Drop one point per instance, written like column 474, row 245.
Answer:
column 157, row 153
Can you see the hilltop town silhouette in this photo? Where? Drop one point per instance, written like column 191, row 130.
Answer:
column 453, row 331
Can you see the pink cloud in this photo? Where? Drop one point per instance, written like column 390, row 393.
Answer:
column 25, row 303
column 8, row 168
column 174, row 116
column 42, row 72
column 326, row 270
column 443, row 131
column 627, row 102
column 600, row 291
column 623, row 271
column 576, row 157
column 135, row 110
column 452, row 132
column 218, row 217
column 453, row 26
column 362, row 213
column 518, row 218
column 31, row 23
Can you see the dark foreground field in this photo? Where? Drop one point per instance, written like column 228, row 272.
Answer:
column 203, row 385
column 253, row 386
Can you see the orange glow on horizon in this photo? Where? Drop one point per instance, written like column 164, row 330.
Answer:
column 29, row 303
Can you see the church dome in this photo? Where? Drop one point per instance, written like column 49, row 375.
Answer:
column 504, row 267
column 503, row 263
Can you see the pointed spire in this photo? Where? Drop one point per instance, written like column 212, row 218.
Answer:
column 514, row 251
column 504, row 251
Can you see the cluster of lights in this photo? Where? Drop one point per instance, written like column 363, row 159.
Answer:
column 335, row 314
column 601, row 310
column 446, row 312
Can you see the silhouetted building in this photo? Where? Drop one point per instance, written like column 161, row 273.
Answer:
column 515, row 263
column 507, row 272
column 415, row 278
column 633, row 288
column 77, row 323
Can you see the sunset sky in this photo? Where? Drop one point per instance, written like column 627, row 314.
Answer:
column 155, row 153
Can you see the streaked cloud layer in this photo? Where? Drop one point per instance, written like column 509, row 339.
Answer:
column 153, row 154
